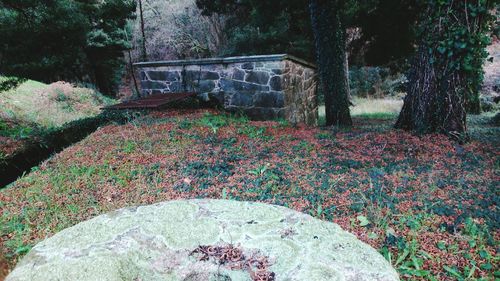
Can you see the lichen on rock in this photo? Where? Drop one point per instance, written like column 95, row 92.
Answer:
column 156, row 242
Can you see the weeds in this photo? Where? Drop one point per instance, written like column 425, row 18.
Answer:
column 214, row 122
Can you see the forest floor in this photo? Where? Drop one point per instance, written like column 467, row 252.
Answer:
column 33, row 108
column 427, row 204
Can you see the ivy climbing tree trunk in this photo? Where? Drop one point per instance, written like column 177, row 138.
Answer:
column 447, row 73
column 433, row 102
column 330, row 41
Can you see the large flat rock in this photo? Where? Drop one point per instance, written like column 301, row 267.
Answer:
column 154, row 243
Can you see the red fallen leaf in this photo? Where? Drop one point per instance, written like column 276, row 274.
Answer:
column 299, row 177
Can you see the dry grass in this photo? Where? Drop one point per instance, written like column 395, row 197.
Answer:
column 372, row 108
column 51, row 105
column 376, row 106
column 33, row 108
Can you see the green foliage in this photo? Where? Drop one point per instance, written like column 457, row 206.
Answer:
column 254, row 132
column 375, row 82
column 363, row 221
column 456, row 34
column 129, row 147
column 15, row 131
column 64, row 39
column 408, row 259
column 214, row 122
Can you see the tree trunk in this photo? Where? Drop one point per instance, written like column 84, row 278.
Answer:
column 143, row 33
column 447, row 72
column 433, row 103
column 330, row 41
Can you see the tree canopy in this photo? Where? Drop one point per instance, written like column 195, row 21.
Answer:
column 78, row 40
column 281, row 26
column 284, row 26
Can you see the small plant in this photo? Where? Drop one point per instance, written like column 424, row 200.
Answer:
column 214, row 122
column 259, row 171
column 324, row 135
column 185, row 124
column 129, row 147
column 408, row 259
column 254, row 132
column 468, row 273
column 303, row 146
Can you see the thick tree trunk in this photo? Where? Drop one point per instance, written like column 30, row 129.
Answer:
column 433, row 103
column 330, row 41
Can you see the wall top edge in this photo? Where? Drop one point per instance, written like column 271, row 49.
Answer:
column 227, row 60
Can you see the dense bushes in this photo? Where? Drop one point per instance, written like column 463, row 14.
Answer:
column 177, row 30
column 375, row 82
column 73, row 40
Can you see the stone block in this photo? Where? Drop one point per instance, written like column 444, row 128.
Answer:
column 157, row 242
column 263, row 113
column 177, row 87
column 239, row 75
column 248, row 66
column 204, row 86
column 269, row 99
column 217, row 97
column 275, row 65
column 258, row 77
column 153, row 85
column 240, row 99
column 275, row 83
column 158, row 92
column 236, row 86
column 260, row 87
column 164, row 75
column 277, row 71
column 192, row 75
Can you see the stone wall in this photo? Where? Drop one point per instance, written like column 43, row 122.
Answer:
column 262, row 87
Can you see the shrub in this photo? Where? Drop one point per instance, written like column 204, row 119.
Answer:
column 375, row 82
column 62, row 39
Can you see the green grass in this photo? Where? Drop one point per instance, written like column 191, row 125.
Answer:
column 377, row 115
column 395, row 191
